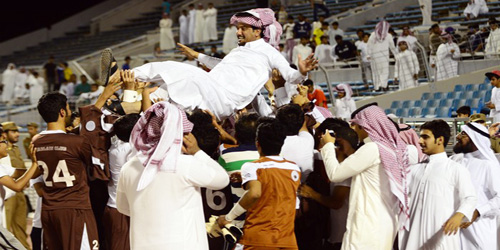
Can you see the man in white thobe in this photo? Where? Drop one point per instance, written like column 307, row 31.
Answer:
column 442, row 194
column 302, row 49
column 426, row 8
column 184, row 28
column 406, row 67
column 210, row 15
column 250, row 66
column 199, row 25
column 408, row 38
column 379, row 44
column 447, row 56
column 159, row 187
column 191, row 22
column 323, row 52
column 166, row 36
column 334, row 31
column 378, row 171
column 494, row 103
column 230, row 40
column 36, row 87
column 9, row 82
column 473, row 150
column 492, row 47
column 21, row 79
column 474, row 8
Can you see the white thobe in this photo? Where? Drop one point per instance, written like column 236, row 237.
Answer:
column 192, row 25
column 426, row 11
column 168, row 213
column 210, row 23
column 20, row 80
column 438, row 190
column 410, row 40
column 22, row 93
column 495, row 99
column 67, row 89
column 378, row 51
column 323, row 53
column 303, row 51
column 344, row 108
column 332, row 33
column 284, row 94
column 199, row 27
column 36, row 89
column 230, row 40
column 119, row 153
column 476, row 7
column 363, row 47
column 9, row 83
column 446, row 61
column 300, row 149
column 372, row 220
column 482, row 233
column 232, row 83
column 166, row 36
column 492, row 46
column 406, row 66
column 183, row 29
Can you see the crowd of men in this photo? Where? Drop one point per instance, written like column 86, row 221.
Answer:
column 169, row 154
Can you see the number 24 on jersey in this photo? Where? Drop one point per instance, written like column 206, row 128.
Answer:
column 61, row 168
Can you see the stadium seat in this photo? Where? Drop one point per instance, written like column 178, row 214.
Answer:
column 429, row 112
column 446, row 103
column 438, row 95
column 471, row 87
column 402, row 112
column 483, row 86
column 415, row 112
column 454, row 95
column 395, row 104
column 388, row 111
column 417, row 103
column 408, row 104
column 476, row 103
column 426, row 96
column 431, row 104
column 487, row 96
column 476, row 94
column 458, row 88
column 443, row 112
column 468, row 95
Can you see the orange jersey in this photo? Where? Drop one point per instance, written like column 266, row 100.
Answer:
column 270, row 222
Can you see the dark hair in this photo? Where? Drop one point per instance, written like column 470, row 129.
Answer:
column 246, row 128
column 191, row 5
column 213, row 46
column 335, row 23
column 208, row 139
column 128, row 58
column 331, row 124
column 338, row 37
column 124, row 125
column 65, row 64
column 265, row 119
column 281, row 45
column 434, row 26
column 271, row 137
column 74, row 115
column 50, row 104
column 325, row 24
column 291, row 117
column 360, row 30
column 308, row 82
column 464, row 110
column 438, row 128
column 200, row 118
column 323, row 37
column 290, row 17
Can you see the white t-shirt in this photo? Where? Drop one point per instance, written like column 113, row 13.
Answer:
column 4, row 170
column 300, row 149
column 37, row 218
column 119, row 153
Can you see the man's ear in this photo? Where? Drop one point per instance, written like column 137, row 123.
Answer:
column 440, row 140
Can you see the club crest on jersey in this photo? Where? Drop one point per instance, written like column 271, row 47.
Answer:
column 295, row 175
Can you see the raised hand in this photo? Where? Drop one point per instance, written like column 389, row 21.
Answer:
column 185, row 50
column 307, row 64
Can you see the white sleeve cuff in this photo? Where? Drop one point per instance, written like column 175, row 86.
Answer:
column 130, row 95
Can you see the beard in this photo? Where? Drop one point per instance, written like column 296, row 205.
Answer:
column 459, row 148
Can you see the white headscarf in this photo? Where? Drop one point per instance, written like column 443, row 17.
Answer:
column 481, row 138
column 345, row 88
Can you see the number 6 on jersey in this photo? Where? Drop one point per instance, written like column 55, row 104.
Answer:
column 56, row 177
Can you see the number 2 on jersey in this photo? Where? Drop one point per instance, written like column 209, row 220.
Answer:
column 56, row 177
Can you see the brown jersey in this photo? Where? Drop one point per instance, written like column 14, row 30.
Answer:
column 63, row 160
column 270, row 222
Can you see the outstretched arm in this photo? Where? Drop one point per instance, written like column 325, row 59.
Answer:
column 307, row 64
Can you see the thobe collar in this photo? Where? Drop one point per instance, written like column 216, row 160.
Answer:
column 367, row 139
column 255, row 43
column 438, row 157
column 476, row 154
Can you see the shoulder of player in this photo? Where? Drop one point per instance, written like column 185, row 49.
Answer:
column 266, row 162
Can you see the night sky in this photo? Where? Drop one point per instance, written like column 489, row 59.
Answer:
column 19, row 17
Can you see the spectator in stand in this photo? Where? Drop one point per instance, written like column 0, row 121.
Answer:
column 200, row 25
column 394, row 36
column 323, row 52
column 318, row 23
column 463, row 112
column 344, row 104
column 210, row 30
column 184, row 28
column 379, row 45
column 166, row 7
column 36, row 87
column 68, row 87
column 214, row 53
column 126, row 65
column 315, row 4
column 315, row 95
column 166, row 36
column 282, row 15
column 20, row 80
column 288, row 30
column 49, row 70
column 434, row 42
column 230, row 40
column 456, row 37
column 283, row 52
column 302, row 28
column 360, row 33
column 90, row 97
column 9, row 82
column 22, row 95
column 319, row 32
column 447, row 57
column 406, row 68
column 474, row 8
column 83, row 86
column 345, row 50
column 493, row 41
column 66, row 70
column 335, row 31
column 494, row 104
column 408, row 37
column 191, row 23
column 302, row 49
column 362, row 47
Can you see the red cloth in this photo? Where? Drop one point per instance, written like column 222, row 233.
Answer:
column 319, row 96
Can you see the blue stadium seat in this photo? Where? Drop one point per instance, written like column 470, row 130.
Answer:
column 443, row 112
column 428, row 112
column 454, row 95
column 395, row 104
column 471, row 87
column 431, row 104
column 438, row 95
column 487, row 96
column 402, row 112
column 468, row 95
column 476, row 103
column 415, row 112
column 408, row 103
column 458, row 88
column 388, row 111
column 426, row 96
column 483, row 86
column 417, row 103
column 476, row 94
column 446, row 103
